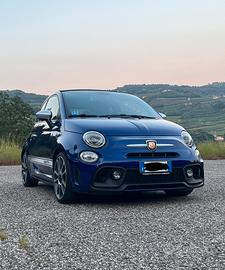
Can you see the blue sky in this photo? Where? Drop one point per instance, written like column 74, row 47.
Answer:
column 50, row 44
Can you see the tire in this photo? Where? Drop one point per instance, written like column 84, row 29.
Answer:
column 178, row 192
column 28, row 181
column 62, row 179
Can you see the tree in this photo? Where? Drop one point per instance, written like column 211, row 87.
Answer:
column 16, row 118
column 201, row 136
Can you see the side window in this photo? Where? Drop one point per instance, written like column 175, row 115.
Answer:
column 53, row 106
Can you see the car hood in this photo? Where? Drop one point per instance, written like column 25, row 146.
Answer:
column 124, row 126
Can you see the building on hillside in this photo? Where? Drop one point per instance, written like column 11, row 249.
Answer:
column 219, row 138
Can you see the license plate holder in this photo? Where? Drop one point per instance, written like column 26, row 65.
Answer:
column 155, row 167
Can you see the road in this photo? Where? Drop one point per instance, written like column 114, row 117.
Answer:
column 151, row 231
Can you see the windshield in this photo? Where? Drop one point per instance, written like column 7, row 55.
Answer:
column 106, row 104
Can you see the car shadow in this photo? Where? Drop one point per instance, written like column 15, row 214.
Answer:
column 134, row 198
column 152, row 197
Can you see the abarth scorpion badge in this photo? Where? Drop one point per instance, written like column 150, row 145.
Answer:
column 151, row 145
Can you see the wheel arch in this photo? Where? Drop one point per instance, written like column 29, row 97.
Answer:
column 24, row 148
column 58, row 150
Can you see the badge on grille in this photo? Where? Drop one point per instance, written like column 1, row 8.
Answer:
column 151, row 145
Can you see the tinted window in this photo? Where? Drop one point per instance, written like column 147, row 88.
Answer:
column 105, row 103
column 53, row 106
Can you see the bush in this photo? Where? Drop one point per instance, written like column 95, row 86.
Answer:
column 16, row 118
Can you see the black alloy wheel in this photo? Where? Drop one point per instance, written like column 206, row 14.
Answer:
column 28, row 181
column 62, row 178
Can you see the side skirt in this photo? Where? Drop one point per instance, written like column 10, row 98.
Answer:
column 41, row 168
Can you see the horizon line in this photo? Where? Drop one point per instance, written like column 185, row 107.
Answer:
column 111, row 89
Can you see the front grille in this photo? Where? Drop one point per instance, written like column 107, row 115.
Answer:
column 153, row 155
column 134, row 177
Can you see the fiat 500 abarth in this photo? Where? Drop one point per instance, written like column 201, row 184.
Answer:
column 90, row 141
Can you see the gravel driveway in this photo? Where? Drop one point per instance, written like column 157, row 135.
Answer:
column 148, row 232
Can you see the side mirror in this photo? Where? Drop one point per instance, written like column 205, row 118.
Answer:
column 45, row 115
column 162, row 115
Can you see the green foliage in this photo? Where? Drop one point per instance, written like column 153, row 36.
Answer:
column 3, row 235
column 9, row 152
column 24, row 242
column 34, row 100
column 212, row 150
column 197, row 109
column 201, row 136
column 16, row 118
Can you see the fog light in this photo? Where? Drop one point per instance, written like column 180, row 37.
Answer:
column 116, row 175
column 89, row 156
column 189, row 172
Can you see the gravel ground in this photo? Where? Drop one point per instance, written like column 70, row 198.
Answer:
column 136, row 232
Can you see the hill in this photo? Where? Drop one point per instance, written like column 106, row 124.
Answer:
column 197, row 108
column 34, row 100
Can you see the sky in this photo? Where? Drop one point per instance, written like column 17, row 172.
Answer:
column 46, row 45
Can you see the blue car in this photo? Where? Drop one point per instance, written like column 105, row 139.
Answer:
column 91, row 141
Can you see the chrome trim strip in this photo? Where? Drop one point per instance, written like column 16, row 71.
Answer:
column 41, row 161
column 137, row 145
column 141, row 145
column 165, row 145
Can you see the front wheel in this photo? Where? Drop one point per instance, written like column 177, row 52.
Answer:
column 28, row 181
column 62, row 179
column 183, row 192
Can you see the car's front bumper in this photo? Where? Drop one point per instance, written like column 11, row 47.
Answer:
column 95, row 177
column 90, row 179
column 133, row 180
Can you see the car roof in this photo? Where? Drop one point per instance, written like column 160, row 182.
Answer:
column 84, row 90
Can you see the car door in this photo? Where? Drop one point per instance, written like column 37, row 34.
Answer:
column 44, row 141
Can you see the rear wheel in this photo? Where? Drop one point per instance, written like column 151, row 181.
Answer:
column 62, row 179
column 183, row 192
column 28, row 181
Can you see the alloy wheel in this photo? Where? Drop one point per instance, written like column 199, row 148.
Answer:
column 24, row 168
column 60, row 177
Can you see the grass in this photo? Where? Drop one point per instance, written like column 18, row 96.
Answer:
column 24, row 242
column 9, row 153
column 3, row 235
column 212, row 150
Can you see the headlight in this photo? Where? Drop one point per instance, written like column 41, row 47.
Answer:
column 89, row 156
column 187, row 138
column 94, row 139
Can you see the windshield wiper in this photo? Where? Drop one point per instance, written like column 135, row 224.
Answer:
column 112, row 115
column 82, row 115
column 128, row 116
